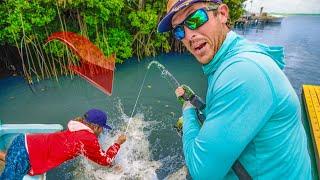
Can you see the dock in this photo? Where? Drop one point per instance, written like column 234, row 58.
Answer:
column 254, row 19
column 311, row 99
column 258, row 20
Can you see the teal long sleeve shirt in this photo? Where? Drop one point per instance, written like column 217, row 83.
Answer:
column 252, row 114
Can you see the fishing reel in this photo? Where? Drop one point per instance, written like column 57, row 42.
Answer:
column 196, row 101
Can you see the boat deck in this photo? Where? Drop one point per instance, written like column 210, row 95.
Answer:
column 311, row 97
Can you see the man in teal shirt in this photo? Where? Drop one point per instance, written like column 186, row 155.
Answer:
column 252, row 112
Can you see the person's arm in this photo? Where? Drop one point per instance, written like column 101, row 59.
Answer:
column 241, row 101
column 3, row 156
column 94, row 152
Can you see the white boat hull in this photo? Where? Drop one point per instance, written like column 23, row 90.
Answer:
column 9, row 131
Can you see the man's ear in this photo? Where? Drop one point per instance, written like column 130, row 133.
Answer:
column 223, row 13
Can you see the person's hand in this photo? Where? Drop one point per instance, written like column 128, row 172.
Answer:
column 179, row 91
column 118, row 168
column 187, row 105
column 121, row 139
column 3, row 156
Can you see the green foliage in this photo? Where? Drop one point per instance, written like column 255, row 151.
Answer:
column 123, row 27
column 235, row 8
column 18, row 18
column 143, row 24
column 144, row 20
column 119, row 42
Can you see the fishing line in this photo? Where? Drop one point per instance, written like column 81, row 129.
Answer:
column 164, row 73
column 134, row 107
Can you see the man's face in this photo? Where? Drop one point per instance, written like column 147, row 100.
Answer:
column 205, row 41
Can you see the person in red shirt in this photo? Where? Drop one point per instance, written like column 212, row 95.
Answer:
column 35, row 154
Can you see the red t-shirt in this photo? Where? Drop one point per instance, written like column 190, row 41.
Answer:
column 49, row 150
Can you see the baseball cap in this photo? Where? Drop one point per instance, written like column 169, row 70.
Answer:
column 165, row 24
column 98, row 117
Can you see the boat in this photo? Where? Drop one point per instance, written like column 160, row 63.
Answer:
column 9, row 131
column 311, row 120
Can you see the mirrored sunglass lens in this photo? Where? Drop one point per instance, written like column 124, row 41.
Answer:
column 179, row 32
column 197, row 19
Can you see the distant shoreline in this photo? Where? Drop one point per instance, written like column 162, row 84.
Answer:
column 294, row 14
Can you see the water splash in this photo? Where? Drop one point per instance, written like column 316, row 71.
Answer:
column 180, row 174
column 165, row 73
column 134, row 157
column 134, row 160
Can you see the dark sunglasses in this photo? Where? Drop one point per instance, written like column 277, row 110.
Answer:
column 193, row 21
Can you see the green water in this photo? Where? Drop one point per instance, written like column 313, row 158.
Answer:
column 52, row 102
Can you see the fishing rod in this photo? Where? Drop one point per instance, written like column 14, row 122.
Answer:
column 198, row 103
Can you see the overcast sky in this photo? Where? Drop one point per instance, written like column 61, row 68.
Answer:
column 285, row 6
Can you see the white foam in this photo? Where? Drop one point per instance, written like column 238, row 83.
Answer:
column 133, row 157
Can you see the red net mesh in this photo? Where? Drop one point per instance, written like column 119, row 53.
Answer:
column 94, row 66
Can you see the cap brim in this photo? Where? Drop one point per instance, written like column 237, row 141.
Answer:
column 165, row 24
column 107, row 127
